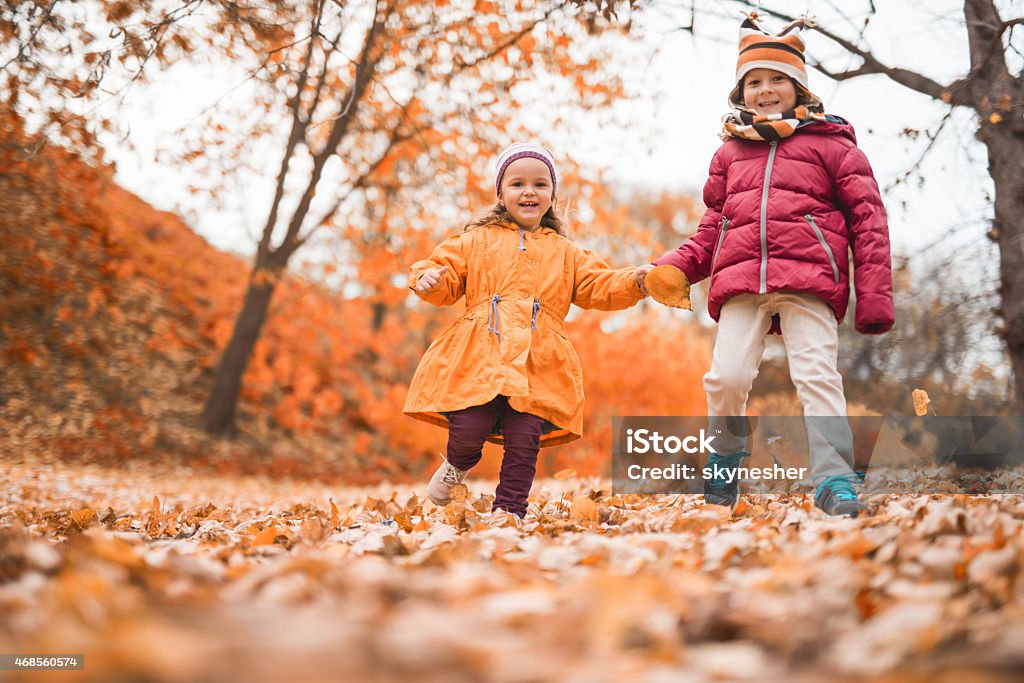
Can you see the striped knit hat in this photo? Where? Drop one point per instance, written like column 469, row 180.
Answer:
column 783, row 52
column 521, row 150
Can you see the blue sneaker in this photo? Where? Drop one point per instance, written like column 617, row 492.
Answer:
column 836, row 497
column 720, row 490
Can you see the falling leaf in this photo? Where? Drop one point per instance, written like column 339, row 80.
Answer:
column 562, row 475
column 921, row 402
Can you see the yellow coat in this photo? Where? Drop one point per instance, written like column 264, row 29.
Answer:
column 512, row 338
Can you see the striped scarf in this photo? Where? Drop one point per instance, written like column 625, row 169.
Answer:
column 748, row 125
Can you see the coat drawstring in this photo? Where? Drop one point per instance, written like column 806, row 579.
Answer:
column 536, row 308
column 492, row 323
column 522, row 238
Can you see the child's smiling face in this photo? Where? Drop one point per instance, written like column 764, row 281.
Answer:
column 767, row 91
column 526, row 190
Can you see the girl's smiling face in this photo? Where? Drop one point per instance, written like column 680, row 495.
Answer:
column 526, row 191
column 767, row 91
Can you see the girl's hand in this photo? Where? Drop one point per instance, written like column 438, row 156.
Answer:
column 430, row 279
column 641, row 277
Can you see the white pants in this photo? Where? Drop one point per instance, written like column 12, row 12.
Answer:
column 811, row 336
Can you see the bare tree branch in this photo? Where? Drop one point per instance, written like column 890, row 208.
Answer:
column 295, row 135
column 359, row 182
column 322, row 81
column 32, row 37
column 932, row 138
column 1010, row 23
column 368, row 59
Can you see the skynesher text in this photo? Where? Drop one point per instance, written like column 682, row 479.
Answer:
column 729, row 474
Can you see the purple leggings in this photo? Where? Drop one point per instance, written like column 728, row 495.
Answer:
column 469, row 428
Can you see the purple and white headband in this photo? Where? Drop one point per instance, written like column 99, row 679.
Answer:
column 521, row 150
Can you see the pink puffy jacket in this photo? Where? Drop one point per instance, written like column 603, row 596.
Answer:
column 785, row 216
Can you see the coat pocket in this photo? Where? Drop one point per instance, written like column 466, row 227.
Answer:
column 824, row 245
column 718, row 247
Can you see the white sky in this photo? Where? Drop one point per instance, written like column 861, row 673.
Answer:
column 665, row 135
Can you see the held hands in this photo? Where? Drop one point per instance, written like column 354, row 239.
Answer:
column 641, row 276
column 430, row 279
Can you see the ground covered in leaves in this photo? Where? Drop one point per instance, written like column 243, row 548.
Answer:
column 164, row 576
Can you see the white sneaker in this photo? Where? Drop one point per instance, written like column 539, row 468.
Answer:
column 446, row 476
column 499, row 519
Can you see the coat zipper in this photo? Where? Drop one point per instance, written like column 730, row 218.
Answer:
column 764, row 217
column 828, row 250
column 718, row 247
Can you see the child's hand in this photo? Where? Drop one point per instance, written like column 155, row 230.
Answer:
column 641, row 277
column 430, row 279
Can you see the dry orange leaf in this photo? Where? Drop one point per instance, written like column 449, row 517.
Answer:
column 334, row 514
column 459, row 493
column 265, row 537
column 313, row 529
column 584, row 509
column 858, row 547
column 562, row 475
column 921, row 402
column 741, row 507
column 866, row 605
column 118, row 551
column 84, row 517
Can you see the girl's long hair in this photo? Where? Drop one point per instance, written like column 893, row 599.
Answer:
column 499, row 214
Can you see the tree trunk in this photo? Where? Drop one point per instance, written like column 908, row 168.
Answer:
column 219, row 414
column 1005, row 151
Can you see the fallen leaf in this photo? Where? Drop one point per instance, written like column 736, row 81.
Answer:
column 84, row 517
column 459, row 493
column 265, row 537
column 335, row 521
column 584, row 509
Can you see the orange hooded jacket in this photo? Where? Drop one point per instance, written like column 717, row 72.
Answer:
column 512, row 339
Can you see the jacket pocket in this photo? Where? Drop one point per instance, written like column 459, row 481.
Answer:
column 824, row 245
column 718, row 247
